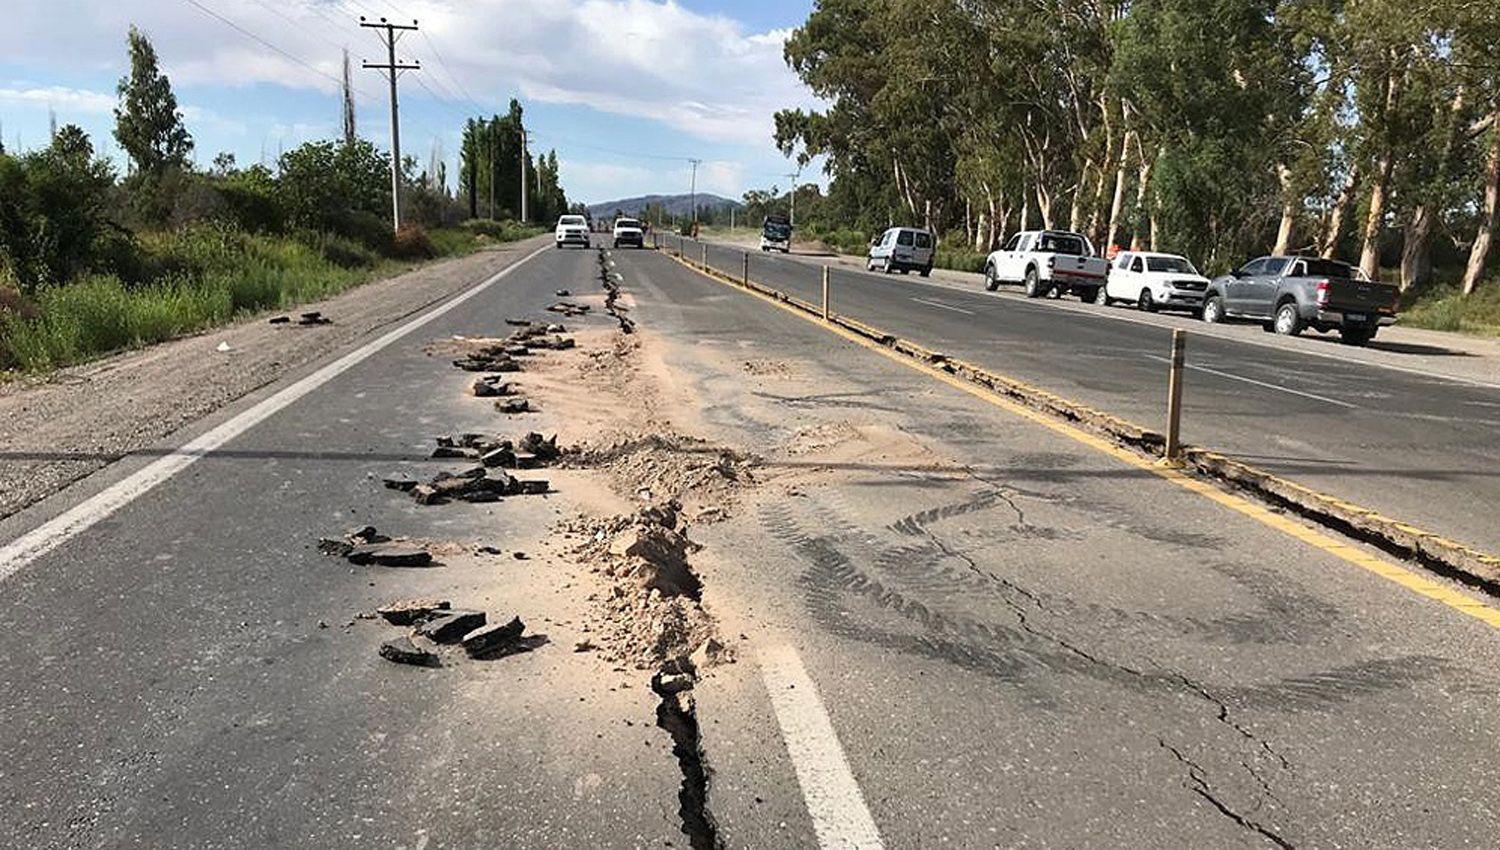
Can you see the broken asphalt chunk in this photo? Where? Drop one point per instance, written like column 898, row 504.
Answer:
column 488, row 639
column 454, row 452
column 404, row 612
column 280, row 320
column 399, row 481
column 389, row 555
column 402, row 651
column 493, row 385
column 450, row 626
column 516, row 404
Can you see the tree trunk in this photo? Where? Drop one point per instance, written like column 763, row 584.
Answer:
column 1288, row 227
column 1025, row 209
column 1489, row 216
column 1044, row 206
column 1334, row 232
column 1117, row 206
column 1416, row 244
column 1143, row 183
column 1369, row 255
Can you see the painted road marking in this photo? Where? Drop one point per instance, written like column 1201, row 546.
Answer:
column 943, row 306
column 834, row 801
column 1268, row 386
column 1417, row 583
column 60, row 529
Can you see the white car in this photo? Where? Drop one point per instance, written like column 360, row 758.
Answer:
column 628, row 231
column 1154, row 282
column 1048, row 262
column 572, row 230
column 901, row 249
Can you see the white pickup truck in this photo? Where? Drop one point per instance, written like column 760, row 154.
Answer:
column 1048, row 262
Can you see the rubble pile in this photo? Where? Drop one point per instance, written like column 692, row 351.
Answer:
column 568, row 308
column 651, row 614
column 435, row 623
column 530, row 451
column 478, row 484
column 667, row 465
column 366, row 546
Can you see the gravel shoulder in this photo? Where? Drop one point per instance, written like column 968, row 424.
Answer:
column 57, row 430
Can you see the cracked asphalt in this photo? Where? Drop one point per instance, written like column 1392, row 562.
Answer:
column 1017, row 640
column 1021, row 641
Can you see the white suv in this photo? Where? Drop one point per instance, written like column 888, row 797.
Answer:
column 1155, row 282
column 628, row 231
column 572, row 230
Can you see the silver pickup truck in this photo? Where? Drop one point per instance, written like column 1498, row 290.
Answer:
column 1289, row 294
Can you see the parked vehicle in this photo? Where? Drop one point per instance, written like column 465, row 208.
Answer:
column 776, row 233
column 571, row 230
column 1154, row 282
column 902, row 249
column 628, row 231
column 1289, row 294
column 1048, row 262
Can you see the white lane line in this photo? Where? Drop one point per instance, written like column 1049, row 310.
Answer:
column 943, row 306
column 834, row 801
column 1277, row 387
column 49, row 535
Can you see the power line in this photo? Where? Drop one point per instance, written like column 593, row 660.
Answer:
column 263, row 42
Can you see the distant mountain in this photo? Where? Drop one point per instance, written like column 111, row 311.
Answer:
column 681, row 205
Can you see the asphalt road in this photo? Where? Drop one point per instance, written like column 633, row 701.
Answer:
column 959, row 628
column 170, row 682
column 1021, row 641
column 1423, row 449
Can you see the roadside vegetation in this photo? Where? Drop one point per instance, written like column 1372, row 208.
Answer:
column 1367, row 131
column 93, row 261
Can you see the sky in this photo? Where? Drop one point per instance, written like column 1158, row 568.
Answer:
column 626, row 91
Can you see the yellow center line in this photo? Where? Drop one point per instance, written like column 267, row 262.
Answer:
column 1413, row 581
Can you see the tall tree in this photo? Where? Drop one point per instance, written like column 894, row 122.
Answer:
column 148, row 124
column 350, row 132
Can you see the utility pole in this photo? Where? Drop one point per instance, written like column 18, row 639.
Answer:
column 694, row 194
column 523, row 175
column 393, row 69
column 494, row 125
column 792, row 218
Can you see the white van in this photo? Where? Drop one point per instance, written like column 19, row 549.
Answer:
column 902, row 249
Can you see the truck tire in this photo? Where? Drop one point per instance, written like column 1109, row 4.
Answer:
column 1357, row 334
column 1213, row 310
column 1098, row 296
column 991, row 283
column 1033, row 284
column 1145, row 302
column 926, row 271
column 1288, row 321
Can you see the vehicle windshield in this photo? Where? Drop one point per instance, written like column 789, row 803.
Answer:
column 1062, row 243
column 627, row 222
column 1176, row 265
column 572, row 220
column 776, row 230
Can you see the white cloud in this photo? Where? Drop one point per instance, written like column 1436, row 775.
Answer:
column 61, row 98
column 700, row 74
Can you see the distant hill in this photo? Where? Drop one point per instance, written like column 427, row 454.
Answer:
column 681, row 205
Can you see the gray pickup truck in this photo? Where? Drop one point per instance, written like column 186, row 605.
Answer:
column 1289, row 294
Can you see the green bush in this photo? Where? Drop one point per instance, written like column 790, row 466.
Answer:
column 1448, row 309
column 961, row 259
column 412, row 243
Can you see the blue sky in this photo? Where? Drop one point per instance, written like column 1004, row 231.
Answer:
column 625, row 90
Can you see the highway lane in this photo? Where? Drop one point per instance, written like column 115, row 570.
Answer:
column 189, row 672
column 1018, row 640
column 1422, row 449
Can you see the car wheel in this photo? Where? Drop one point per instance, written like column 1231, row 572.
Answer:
column 991, row 283
column 1356, row 334
column 1213, row 310
column 1288, row 321
column 926, row 272
column 1146, row 303
column 1033, row 284
column 886, row 267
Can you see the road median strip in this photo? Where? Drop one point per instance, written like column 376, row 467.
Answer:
column 1440, row 554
